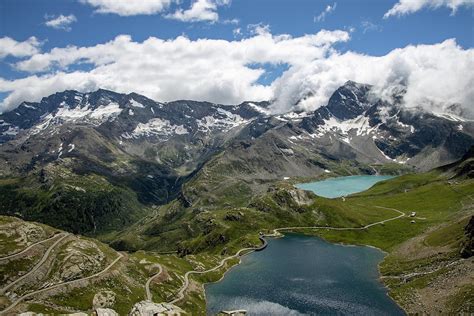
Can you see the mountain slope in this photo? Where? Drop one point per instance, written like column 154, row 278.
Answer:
column 141, row 149
column 172, row 134
column 385, row 131
column 47, row 271
column 232, row 197
column 355, row 133
column 152, row 153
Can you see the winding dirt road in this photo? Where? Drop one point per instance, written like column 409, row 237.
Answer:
column 120, row 256
column 276, row 230
column 28, row 248
column 180, row 294
column 149, row 296
column 38, row 265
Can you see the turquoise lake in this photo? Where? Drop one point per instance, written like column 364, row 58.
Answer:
column 302, row 275
column 342, row 186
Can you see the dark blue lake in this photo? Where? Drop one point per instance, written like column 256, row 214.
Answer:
column 301, row 275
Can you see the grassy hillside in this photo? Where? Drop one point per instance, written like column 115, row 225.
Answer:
column 72, row 258
column 81, row 264
column 425, row 269
column 79, row 204
column 433, row 197
column 426, row 252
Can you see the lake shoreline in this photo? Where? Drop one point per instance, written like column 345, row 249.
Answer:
column 283, row 235
column 346, row 185
column 369, row 182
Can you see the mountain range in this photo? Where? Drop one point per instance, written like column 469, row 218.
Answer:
column 154, row 152
column 182, row 135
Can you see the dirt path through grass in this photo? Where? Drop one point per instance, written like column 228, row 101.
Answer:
column 27, row 248
column 120, row 256
column 38, row 265
column 149, row 296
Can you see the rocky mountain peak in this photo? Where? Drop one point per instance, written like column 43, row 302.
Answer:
column 350, row 100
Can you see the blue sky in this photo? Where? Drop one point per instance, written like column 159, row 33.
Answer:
column 370, row 33
column 21, row 19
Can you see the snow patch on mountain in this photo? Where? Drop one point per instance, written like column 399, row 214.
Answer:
column 359, row 125
column 222, row 120
column 85, row 114
column 136, row 104
column 157, row 127
column 181, row 130
column 106, row 112
column 60, row 150
column 400, row 160
column 99, row 115
column 71, row 114
column 28, row 106
column 295, row 115
column 11, row 131
column 292, row 116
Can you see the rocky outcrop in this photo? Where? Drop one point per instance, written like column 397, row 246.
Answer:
column 147, row 308
column 21, row 233
column 103, row 299
column 82, row 258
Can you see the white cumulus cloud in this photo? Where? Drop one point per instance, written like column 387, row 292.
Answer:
column 180, row 68
column 258, row 29
column 11, row 47
column 200, row 10
column 223, row 71
column 403, row 7
column 434, row 77
column 128, row 7
column 237, row 32
column 61, row 22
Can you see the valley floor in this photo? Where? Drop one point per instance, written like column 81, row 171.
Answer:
column 426, row 268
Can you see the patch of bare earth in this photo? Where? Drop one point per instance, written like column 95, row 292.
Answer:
column 435, row 296
column 438, row 274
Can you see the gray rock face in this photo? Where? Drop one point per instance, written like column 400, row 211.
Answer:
column 182, row 135
column 386, row 132
column 124, row 116
column 103, row 299
column 103, row 124
column 146, row 308
column 154, row 148
column 150, row 153
column 349, row 101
